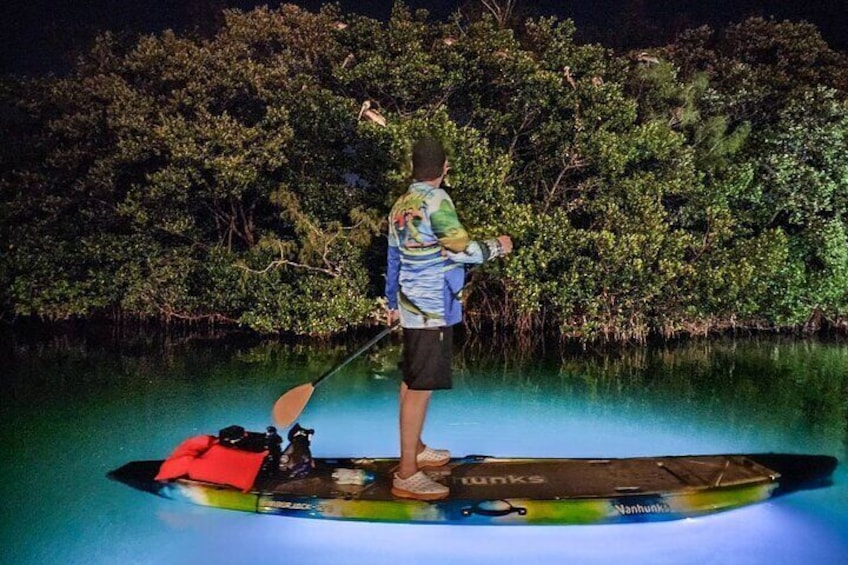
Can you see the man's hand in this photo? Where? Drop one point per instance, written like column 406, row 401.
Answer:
column 506, row 244
column 392, row 316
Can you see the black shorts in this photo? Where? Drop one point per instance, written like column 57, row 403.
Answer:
column 427, row 356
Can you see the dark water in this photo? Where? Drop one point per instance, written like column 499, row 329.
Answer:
column 72, row 409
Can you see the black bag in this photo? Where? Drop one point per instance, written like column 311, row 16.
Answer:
column 237, row 438
column 295, row 462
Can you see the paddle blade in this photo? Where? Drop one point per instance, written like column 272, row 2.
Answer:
column 289, row 406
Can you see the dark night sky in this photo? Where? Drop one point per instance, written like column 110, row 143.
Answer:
column 42, row 35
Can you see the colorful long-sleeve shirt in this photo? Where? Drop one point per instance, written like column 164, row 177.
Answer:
column 428, row 248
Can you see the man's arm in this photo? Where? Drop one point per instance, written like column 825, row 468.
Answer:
column 392, row 275
column 455, row 239
column 482, row 251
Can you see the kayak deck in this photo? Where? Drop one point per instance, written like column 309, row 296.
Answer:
column 478, row 478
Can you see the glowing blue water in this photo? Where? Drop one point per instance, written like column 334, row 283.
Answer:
column 70, row 414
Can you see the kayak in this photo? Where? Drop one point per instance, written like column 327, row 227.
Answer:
column 492, row 490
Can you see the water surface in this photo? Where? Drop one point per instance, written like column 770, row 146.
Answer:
column 74, row 408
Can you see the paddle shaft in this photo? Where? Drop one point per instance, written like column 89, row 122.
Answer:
column 290, row 405
column 355, row 354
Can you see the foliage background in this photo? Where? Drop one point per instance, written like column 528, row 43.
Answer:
column 232, row 178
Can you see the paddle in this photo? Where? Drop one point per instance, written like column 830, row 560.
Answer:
column 289, row 406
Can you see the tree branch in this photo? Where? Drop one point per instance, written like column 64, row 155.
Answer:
column 282, row 261
column 501, row 10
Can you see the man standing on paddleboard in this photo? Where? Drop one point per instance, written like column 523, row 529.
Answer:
column 428, row 248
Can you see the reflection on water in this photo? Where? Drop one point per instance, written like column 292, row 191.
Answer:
column 73, row 408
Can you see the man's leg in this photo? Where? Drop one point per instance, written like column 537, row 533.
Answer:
column 413, row 412
column 403, row 388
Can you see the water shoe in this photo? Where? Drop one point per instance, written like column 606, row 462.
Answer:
column 418, row 486
column 432, row 458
